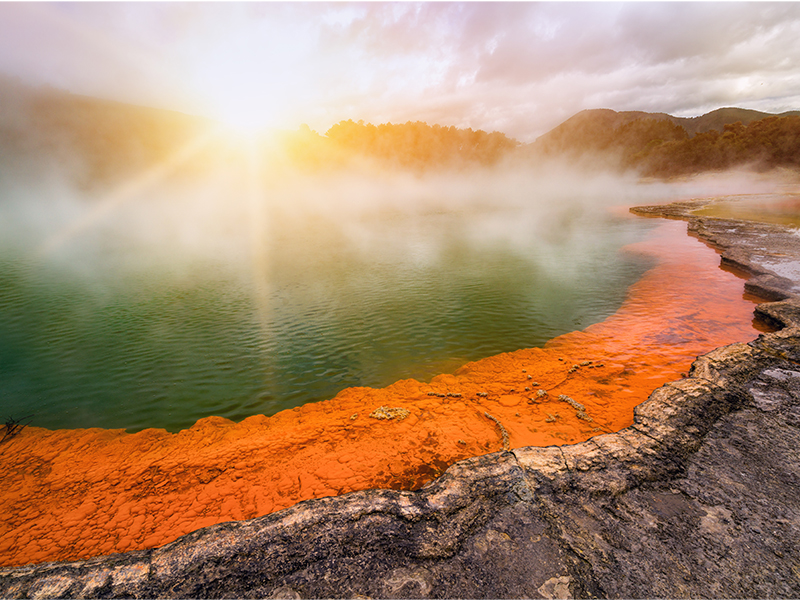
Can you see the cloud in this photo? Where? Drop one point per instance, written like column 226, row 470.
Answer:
column 516, row 67
column 56, row 45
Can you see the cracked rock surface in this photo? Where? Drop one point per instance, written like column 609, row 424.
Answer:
column 699, row 497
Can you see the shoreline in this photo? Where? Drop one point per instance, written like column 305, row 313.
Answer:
column 72, row 494
column 627, row 459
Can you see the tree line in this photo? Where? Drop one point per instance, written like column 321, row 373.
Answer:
column 764, row 144
column 412, row 145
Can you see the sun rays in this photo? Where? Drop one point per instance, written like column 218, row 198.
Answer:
column 128, row 191
column 257, row 210
column 226, row 202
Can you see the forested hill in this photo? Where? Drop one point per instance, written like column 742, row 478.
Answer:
column 658, row 144
column 100, row 142
column 717, row 119
column 599, row 121
column 652, row 144
column 94, row 140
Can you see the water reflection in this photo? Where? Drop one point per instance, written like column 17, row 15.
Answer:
column 779, row 208
column 168, row 310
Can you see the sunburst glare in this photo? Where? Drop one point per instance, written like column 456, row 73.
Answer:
column 129, row 190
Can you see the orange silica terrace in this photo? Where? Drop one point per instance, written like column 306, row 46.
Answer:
column 70, row 494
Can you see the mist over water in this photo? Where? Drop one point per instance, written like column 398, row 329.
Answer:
column 240, row 294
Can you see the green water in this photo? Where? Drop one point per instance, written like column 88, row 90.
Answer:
column 129, row 326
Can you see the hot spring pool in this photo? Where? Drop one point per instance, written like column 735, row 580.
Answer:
column 174, row 307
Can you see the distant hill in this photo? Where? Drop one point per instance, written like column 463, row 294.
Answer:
column 717, row 119
column 588, row 129
column 591, row 127
column 91, row 139
column 99, row 142
column 659, row 144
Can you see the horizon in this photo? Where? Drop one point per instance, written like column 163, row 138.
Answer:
column 520, row 68
column 275, row 130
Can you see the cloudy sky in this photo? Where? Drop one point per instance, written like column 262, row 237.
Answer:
column 520, row 67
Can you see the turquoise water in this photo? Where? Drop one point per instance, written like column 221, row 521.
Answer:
column 148, row 317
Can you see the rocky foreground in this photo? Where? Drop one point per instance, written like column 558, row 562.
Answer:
column 699, row 497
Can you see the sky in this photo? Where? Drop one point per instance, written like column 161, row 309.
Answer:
column 520, row 68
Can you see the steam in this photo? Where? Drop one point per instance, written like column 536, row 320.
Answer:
column 246, row 205
column 251, row 287
column 229, row 213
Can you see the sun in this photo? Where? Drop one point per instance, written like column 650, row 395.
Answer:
column 248, row 86
column 244, row 119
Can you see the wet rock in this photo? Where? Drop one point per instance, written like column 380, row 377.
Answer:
column 766, row 252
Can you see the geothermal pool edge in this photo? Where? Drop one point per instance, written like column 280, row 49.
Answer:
column 697, row 497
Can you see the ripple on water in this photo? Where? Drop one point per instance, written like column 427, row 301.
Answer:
column 157, row 350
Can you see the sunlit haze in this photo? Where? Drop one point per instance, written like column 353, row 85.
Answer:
column 520, row 68
column 290, row 199
column 258, row 253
